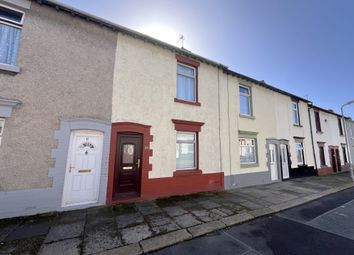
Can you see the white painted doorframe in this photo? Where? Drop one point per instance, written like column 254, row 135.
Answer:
column 83, row 168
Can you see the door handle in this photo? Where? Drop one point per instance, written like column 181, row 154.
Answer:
column 138, row 163
column 71, row 167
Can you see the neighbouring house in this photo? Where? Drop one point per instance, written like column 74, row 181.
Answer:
column 329, row 141
column 269, row 134
column 55, row 108
column 93, row 113
column 349, row 123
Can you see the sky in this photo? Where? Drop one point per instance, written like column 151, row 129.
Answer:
column 305, row 47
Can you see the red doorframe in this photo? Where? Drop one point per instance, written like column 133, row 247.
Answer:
column 157, row 187
column 124, row 127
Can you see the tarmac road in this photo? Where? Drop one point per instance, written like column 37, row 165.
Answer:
column 324, row 226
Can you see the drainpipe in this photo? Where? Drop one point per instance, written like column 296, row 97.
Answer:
column 309, row 106
column 220, row 145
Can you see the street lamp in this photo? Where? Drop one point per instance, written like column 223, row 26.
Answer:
column 346, row 140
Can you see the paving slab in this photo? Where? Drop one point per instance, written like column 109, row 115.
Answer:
column 65, row 247
column 101, row 237
column 129, row 220
column 147, row 208
column 161, row 223
column 28, row 231
column 209, row 204
column 136, row 234
column 174, row 211
column 186, row 221
column 71, row 217
column 65, row 231
column 27, row 246
column 6, row 229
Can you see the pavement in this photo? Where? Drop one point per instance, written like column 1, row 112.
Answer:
column 324, row 226
column 144, row 227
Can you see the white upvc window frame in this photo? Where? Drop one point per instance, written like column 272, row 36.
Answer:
column 249, row 97
column 194, row 77
column 254, row 146
column 194, row 142
column 301, row 150
column 295, row 109
column 12, row 22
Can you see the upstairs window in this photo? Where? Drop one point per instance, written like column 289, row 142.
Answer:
column 186, row 83
column 318, row 122
column 11, row 21
column 340, row 127
column 245, row 101
column 299, row 153
column 295, row 113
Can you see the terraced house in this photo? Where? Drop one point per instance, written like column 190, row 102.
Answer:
column 93, row 113
column 329, row 141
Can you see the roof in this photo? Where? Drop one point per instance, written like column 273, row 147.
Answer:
column 115, row 27
column 327, row 111
column 265, row 85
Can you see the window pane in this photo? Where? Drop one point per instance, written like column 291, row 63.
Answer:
column 10, row 14
column 247, row 151
column 185, row 155
column 9, row 42
column 185, row 70
column 299, row 156
column 185, row 88
column 128, row 153
column 295, row 117
column 185, row 137
column 244, row 90
column 245, row 105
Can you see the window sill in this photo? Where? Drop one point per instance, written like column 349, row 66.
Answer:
column 247, row 116
column 249, row 165
column 178, row 173
column 9, row 68
column 297, row 125
column 187, row 102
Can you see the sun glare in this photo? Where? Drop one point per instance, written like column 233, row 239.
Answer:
column 162, row 33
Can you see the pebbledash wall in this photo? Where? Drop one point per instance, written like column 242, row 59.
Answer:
column 144, row 92
column 66, row 69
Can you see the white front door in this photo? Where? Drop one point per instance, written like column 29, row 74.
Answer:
column 284, row 161
column 273, row 162
column 83, row 168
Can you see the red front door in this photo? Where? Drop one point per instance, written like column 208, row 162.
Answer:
column 128, row 162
